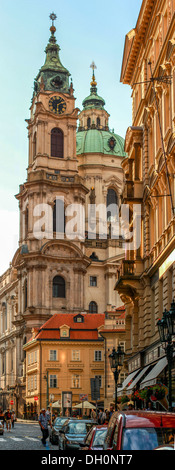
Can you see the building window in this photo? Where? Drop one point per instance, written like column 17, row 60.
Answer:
column 25, row 294
column 88, row 123
column 93, row 307
column 98, row 122
column 59, row 287
column 53, row 355
column 34, row 145
column 64, row 333
column 35, row 382
column 53, row 381
column 93, row 281
column 112, row 199
column 75, row 381
column 75, row 355
column 58, row 216
column 57, row 141
column 98, row 355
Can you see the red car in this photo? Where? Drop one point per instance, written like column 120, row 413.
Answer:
column 95, row 438
column 140, row 430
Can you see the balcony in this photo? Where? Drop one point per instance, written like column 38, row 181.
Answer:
column 132, row 190
column 130, row 269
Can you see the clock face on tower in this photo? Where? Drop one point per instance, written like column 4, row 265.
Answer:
column 57, row 105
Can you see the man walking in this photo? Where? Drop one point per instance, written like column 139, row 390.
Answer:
column 8, row 417
column 44, row 420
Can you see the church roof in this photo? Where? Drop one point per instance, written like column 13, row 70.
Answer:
column 100, row 141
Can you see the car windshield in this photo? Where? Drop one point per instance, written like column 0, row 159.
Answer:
column 146, row 438
column 99, row 437
column 79, row 427
column 60, row 421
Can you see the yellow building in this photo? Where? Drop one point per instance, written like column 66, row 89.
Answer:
column 146, row 279
column 63, row 356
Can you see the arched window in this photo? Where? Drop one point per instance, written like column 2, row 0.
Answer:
column 34, row 145
column 88, row 122
column 25, row 294
column 57, row 143
column 93, row 307
column 98, row 122
column 111, row 199
column 59, row 216
column 59, row 287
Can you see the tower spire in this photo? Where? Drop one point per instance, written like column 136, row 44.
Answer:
column 93, row 67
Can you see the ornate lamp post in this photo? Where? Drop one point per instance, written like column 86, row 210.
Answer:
column 166, row 327
column 116, row 359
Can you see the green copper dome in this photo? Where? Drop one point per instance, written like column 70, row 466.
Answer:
column 100, row 141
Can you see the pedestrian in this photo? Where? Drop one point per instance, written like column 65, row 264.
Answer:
column 130, row 405
column 44, row 420
column 111, row 411
column 13, row 418
column 8, row 417
column 2, row 417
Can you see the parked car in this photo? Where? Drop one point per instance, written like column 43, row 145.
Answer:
column 95, row 438
column 1, row 428
column 73, row 432
column 139, row 430
column 57, row 425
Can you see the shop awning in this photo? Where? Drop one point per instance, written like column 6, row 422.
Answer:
column 151, row 378
column 128, row 379
column 136, row 380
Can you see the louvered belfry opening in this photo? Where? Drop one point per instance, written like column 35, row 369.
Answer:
column 57, row 143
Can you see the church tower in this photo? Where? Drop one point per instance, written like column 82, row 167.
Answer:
column 50, row 266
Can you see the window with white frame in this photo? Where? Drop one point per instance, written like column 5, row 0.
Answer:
column 75, row 355
column 98, row 356
column 53, row 355
column 75, row 381
column 35, row 382
column 53, row 381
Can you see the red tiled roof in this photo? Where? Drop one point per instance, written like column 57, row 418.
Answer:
column 86, row 330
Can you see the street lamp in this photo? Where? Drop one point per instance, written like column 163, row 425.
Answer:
column 166, row 327
column 116, row 359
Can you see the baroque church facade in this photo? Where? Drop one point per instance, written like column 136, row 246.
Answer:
column 51, row 273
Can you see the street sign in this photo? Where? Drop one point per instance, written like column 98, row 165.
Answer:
column 12, row 402
column 35, row 398
column 83, row 397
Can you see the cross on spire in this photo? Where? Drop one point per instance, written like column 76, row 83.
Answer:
column 93, row 67
column 53, row 17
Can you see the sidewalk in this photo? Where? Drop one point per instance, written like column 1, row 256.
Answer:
column 27, row 421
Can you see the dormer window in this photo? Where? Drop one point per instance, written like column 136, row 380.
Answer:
column 79, row 318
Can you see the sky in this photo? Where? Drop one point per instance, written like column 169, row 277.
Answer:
column 86, row 32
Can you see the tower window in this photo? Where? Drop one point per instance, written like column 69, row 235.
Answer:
column 88, row 123
column 59, row 287
column 57, row 141
column 59, row 216
column 93, row 307
column 98, row 122
column 34, row 145
column 111, row 199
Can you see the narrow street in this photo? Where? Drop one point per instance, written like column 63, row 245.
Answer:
column 24, row 436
